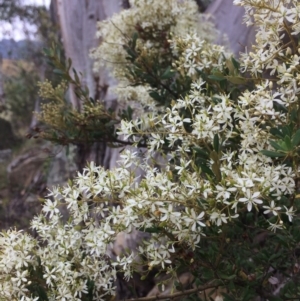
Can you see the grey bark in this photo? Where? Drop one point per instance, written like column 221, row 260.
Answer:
column 228, row 19
column 78, row 24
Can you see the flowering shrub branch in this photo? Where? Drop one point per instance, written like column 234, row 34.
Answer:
column 225, row 192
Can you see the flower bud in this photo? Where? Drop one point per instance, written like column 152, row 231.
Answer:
column 288, row 51
column 271, row 85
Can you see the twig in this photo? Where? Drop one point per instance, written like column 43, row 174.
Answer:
column 175, row 295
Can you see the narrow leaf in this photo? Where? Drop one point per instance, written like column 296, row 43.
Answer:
column 216, row 143
column 200, row 151
column 167, row 73
column 235, row 63
column 59, row 71
column 216, row 77
column 277, row 146
column 206, row 170
column 237, row 80
column 288, row 143
column 276, row 132
column 296, row 138
column 272, row 154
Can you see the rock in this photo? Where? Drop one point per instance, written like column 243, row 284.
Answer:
column 29, row 175
column 62, row 166
column 50, row 164
column 26, row 169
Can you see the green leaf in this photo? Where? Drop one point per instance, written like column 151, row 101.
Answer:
column 77, row 80
column 296, row 138
column 90, row 286
column 59, row 71
column 293, row 116
column 151, row 229
column 206, row 170
column 237, row 80
column 201, row 152
column 217, row 77
column 216, row 143
column 228, row 277
column 47, row 51
column 272, row 154
column 86, row 91
column 155, row 96
column 134, row 39
column 235, row 63
column 131, row 53
column 58, row 54
column 129, row 112
column 287, row 131
column 288, row 143
column 277, row 146
column 276, row 132
column 283, row 240
column 69, row 64
column 42, row 293
column 230, row 66
column 167, row 73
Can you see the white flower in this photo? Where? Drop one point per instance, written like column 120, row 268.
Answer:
column 272, row 208
column 193, row 50
column 50, row 207
column 20, row 278
column 274, row 227
column 251, row 199
column 290, row 213
column 218, row 218
column 169, row 213
column 49, row 275
column 192, row 220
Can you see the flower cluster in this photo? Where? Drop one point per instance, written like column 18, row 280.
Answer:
column 149, row 18
column 63, row 264
column 136, row 40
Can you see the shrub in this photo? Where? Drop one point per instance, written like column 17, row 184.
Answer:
column 224, row 203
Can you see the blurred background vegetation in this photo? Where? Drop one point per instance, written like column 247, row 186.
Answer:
column 27, row 166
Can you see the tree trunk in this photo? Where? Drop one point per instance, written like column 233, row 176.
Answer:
column 78, row 24
column 228, row 19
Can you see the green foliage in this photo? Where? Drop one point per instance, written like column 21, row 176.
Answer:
column 62, row 123
column 21, row 91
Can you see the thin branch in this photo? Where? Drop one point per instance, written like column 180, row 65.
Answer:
column 175, row 295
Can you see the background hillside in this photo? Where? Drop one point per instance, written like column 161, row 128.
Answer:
column 11, row 49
